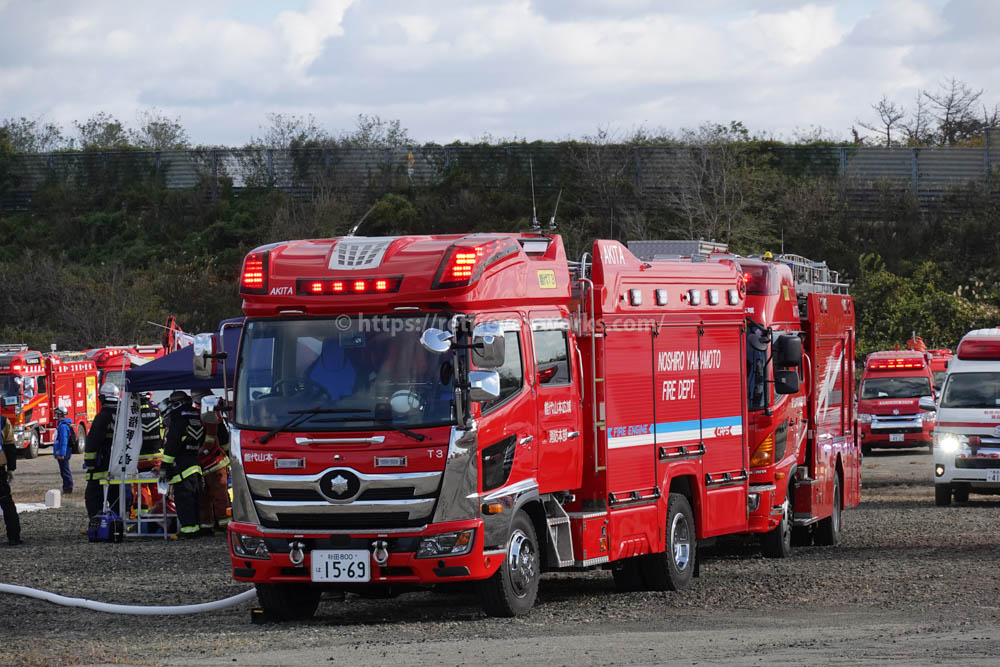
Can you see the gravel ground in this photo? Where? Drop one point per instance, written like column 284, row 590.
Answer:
column 910, row 583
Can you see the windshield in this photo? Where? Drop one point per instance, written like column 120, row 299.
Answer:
column 116, row 377
column 9, row 389
column 911, row 387
column 972, row 390
column 359, row 373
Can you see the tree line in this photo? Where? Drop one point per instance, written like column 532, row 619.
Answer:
column 90, row 266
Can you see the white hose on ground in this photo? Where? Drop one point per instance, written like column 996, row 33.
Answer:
column 150, row 610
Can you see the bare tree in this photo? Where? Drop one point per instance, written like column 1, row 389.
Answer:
column 889, row 116
column 102, row 131
column 158, row 132
column 375, row 132
column 603, row 162
column 954, row 108
column 32, row 135
column 292, row 131
column 918, row 128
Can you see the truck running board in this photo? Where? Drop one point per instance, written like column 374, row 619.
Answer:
column 559, row 546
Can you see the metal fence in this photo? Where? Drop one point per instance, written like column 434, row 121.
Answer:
column 928, row 173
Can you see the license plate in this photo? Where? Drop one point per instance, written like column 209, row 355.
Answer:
column 895, row 437
column 348, row 566
column 993, row 475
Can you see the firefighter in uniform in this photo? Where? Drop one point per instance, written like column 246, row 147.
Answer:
column 8, row 463
column 152, row 449
column 185, row 437
column 214, row 460
column 97, row 451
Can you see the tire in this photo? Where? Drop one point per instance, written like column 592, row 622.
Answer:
column 512, row 589
column 81, row 439
column 942, row 495
column 961, row 494
column 866, row 450
column 673, row 569
column 802, row 536
column 777, row 543
column 827, row 533
column 288, row 602
column 628, row 577
column 34, row 441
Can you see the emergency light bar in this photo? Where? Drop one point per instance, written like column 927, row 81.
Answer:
column 320, row 286
column 981, row 348
column 253, row 280
column 894, row 364
column 466, row 260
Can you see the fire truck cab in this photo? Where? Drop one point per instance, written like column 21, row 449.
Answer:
column 967, row 435
column 939, row 367
column 33, row 384
column 432, row 409
column 889, row 413
column 113, row 361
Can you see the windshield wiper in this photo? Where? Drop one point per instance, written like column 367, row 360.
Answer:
column 419, row 437
column 300, row 416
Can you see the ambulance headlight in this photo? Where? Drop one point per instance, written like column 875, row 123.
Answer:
column 250, row 546
column 864, row 418
column 950, row 443
column 446, row 544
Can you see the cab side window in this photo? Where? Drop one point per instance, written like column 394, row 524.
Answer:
column 552, row 357
column 512, row 371
column 41, row 384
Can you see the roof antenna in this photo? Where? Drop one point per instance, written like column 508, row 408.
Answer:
column 552, row 220
column 355, row 227
column 535, row 225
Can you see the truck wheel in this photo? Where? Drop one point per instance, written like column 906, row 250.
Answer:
column 288, row 602
column 81, row 439
column 628, row 577
column 942, row 495
column 802, row 536
column 512, row 589
column 827, row 533
column 961, row 494
column 777, row 543
column 673, row 569
column 34, row 441
column 866, row 450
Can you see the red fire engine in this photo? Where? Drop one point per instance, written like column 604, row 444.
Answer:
column 432, row 409
column 889, row 414
column 113, row 361
column 33, row 384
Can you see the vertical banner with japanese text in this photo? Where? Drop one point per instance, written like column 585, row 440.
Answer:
column 128, row 438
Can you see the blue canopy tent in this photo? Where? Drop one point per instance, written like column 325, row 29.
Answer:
column 175, row 370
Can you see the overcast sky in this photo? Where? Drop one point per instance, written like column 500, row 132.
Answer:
column 459, row 69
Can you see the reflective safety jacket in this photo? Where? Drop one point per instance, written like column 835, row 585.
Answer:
column 185, row 437
column 152, row 435
column 97, row 450
column 214, row 453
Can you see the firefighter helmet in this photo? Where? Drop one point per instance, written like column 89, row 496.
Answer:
column 59, row 411
column 199, row 394
column 110, row 392
column 177, row 399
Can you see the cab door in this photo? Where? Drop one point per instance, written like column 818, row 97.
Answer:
column 557, row 399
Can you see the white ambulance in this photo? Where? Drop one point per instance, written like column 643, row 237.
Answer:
column 967, row 433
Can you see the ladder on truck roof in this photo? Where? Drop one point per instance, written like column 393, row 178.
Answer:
column 12, row 348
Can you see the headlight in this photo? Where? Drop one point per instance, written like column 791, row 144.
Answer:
column 446, row 544
column 950, row 443
column 928, row 416
column 248, row 546
column 864, row 418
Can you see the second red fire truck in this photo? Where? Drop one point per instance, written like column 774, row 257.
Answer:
column 432, row 409
column 33, row 384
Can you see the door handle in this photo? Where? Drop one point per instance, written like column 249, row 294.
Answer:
column 526, row 439
column 573, row 434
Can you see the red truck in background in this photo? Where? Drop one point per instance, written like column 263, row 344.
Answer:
column 889, row 412
column 33, row 384
column 113, row 361
column 939, row 366
column 430, row 409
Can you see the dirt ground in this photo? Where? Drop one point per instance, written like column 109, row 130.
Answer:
column 910, row 583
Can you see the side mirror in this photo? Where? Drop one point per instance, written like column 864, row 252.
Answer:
column 484, row 386
column 210, row 409
column 786, row 382
column 488, row 346
column 927, row 404
column 436, row 341
column 205, row 347
column 788, row 351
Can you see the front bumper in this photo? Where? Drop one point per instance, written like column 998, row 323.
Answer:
column 897, row 436
column 402, row 567
column 978, row 472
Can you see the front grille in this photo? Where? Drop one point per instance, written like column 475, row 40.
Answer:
column 977, row 464
column 293, row 494
column 373, row 520
column 887, row 431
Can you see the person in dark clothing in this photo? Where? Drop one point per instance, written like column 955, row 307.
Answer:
column 97, row 452
column 152, row 450
column 8, row 463
column 185, row 437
